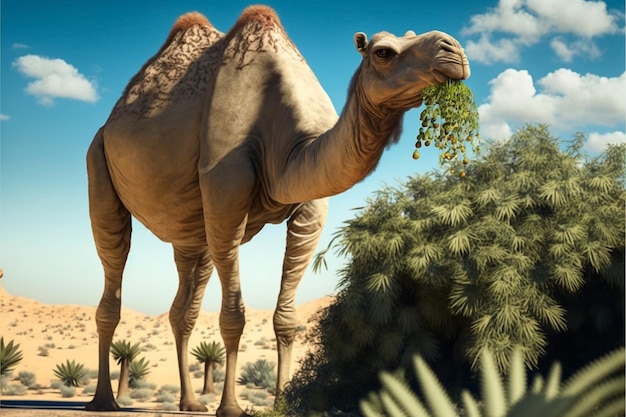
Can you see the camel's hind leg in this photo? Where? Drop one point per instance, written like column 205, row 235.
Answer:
column 111, row 226
column 194, row 270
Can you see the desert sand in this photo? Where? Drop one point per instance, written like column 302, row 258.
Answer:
column 69, row 332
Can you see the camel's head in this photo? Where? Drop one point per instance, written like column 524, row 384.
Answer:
column 395, row 70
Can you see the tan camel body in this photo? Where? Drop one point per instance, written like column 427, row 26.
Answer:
column 218, row 135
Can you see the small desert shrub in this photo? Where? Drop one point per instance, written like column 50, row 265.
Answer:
column 92, row 373
column 172, row 389
column 115, row 375
column 56, row 384
column 198, row 374
column 141, row 394
column 15, row 389
column 260, row 373
column 43, row 351
column 89, row 389
column 206, row 399
column 145, row 384
column 4, row 381
column 194, row 367
column 257, row 397
column 165, row 397
column 168, row 406
column 124, row 400
column 28, row 379
column 219, row 374
column 67, row 392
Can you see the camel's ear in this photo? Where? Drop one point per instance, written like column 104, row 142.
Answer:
column 409, row 33
column 360, row 41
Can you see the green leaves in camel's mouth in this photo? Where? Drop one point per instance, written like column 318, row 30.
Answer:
column 450, row 122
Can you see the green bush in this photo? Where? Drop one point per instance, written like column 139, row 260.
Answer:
column 527, row 249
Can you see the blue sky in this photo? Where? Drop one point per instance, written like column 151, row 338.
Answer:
column 65, row 63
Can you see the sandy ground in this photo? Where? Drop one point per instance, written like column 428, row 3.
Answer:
column 51, row 334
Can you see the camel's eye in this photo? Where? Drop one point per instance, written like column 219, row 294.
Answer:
column 384, row 53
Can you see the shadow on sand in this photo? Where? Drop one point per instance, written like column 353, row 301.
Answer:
column 80, row 406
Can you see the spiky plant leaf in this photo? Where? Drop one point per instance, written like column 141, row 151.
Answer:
column 586, row 403
column 10, row 356
column 492, row 389
column 212, row 352
column 70, row 373
column 614, row 407
column 398, row 393
column 517, row 377
column 470, row 405
column 122, row 350
column 437, row 398
column 589, row 375
column 553, row 383
column 138, row 370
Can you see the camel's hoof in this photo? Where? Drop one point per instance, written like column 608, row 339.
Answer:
column 192, row 405
column 102, row 405
column 231, row 411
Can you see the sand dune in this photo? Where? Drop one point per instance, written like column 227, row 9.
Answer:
column 51, row 334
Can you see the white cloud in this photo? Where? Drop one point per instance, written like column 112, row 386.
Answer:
column 523, row 23
column 55, row 78
column 4, row 117
column 597, row 142
column 567, row 51
column 566, row 100
column 18, row 45
column 488, row 51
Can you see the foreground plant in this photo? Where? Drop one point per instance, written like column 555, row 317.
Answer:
column 596, row 390
column 10, row 356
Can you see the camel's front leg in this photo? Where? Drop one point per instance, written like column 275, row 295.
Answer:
column 111, row 226
column 194, row 270
column 304, row 229
column 226, row 200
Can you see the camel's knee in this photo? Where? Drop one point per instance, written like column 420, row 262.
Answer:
column 108, row 312
column 285, row 323
column 232, row 323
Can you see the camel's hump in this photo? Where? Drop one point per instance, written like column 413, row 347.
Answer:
column 188, row 20
column 257, row 13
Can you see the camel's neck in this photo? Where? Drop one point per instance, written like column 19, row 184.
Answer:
column 342, row 156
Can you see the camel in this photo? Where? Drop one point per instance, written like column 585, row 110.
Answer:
column 219, row 134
